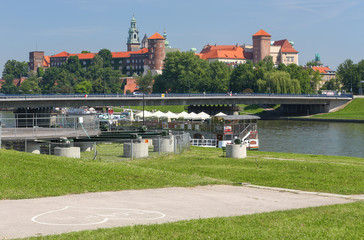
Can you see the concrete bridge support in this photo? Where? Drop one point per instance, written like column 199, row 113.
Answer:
column 304, row 109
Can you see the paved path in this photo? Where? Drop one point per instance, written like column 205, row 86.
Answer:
column 55, row 215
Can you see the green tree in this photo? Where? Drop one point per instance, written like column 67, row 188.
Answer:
column 73, row 64
column 145, row 82
column 219, row 77
column 40, row 72
column 83, row 87
column 30, row 86
column 106, row 57
column 183, row 72
column 49, row 79
column 244, row 76
column 347, row 71
column 8, row 87
column 15, row 68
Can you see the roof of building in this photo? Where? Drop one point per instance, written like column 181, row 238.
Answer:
column 261, row 32
column 127, row 54
column 84, row 55
column 62, row 54
column 321, row 69
column 286, row 47
column 156, row 36
column 46, row 61
column 222, row 52
column 92, row 55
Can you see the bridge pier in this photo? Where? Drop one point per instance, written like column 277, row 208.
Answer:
column 228, row 109
column 305, row 109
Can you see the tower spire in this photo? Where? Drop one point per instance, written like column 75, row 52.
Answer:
column 166, row 42
column 133, row 43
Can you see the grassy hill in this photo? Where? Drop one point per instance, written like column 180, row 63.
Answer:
column 354, row 110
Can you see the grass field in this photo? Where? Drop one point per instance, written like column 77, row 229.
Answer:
column 354, row 110
column 24, row 175
column 328, row 222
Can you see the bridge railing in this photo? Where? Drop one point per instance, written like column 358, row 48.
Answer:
column 165, row 95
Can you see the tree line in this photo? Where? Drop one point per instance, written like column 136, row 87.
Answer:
column 68, row 78
column 183, row 72
column 186, row 72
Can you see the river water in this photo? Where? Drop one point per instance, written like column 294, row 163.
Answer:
column 325, row 138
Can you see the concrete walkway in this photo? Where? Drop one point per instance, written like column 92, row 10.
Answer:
column 55, row 215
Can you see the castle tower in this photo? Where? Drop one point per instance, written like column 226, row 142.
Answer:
column 36, row 59
column 261, row 45
column 156, row 54
column 166, row 42
column 144, row 42
column 133, row 43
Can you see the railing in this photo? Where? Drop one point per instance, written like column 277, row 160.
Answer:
column 48, row 127
column 163, row 95
column 246, row 132
column 203, row 142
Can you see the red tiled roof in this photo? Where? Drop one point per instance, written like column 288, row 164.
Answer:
column 84, row 55
column 222, row 52
column 120, row 54
column 46, row 61
column 285, row 46
column 261, row 32
column 127, row 54
column 62, row 54
column 321, row 69
column 156, row 36
column 92, row 55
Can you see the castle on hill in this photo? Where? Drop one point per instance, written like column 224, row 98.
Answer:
column 281, row 51
column 140, row 57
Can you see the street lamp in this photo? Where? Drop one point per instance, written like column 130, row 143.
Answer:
column 143, row 107
column 189, row 81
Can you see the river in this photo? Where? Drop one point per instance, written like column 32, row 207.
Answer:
column 326, row 138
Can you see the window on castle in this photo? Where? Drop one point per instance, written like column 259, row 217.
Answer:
column 134, row 36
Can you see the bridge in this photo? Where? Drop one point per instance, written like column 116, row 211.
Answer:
column 314, row 103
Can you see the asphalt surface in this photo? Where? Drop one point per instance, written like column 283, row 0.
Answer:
column 55, row 215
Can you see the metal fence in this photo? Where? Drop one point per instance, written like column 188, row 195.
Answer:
column 41, row 127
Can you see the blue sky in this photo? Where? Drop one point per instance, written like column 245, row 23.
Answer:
column 333, row 28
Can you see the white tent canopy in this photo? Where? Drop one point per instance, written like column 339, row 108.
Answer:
column 183, row 114
column 146, row 114
column 171, row 115
column 158, row 114
column 220, row 114
column 203, row 115
column 193, row 116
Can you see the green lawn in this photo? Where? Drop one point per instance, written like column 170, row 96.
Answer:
column 354, row 110
column 25, row 175
column 328, row 222
column 343, row 175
